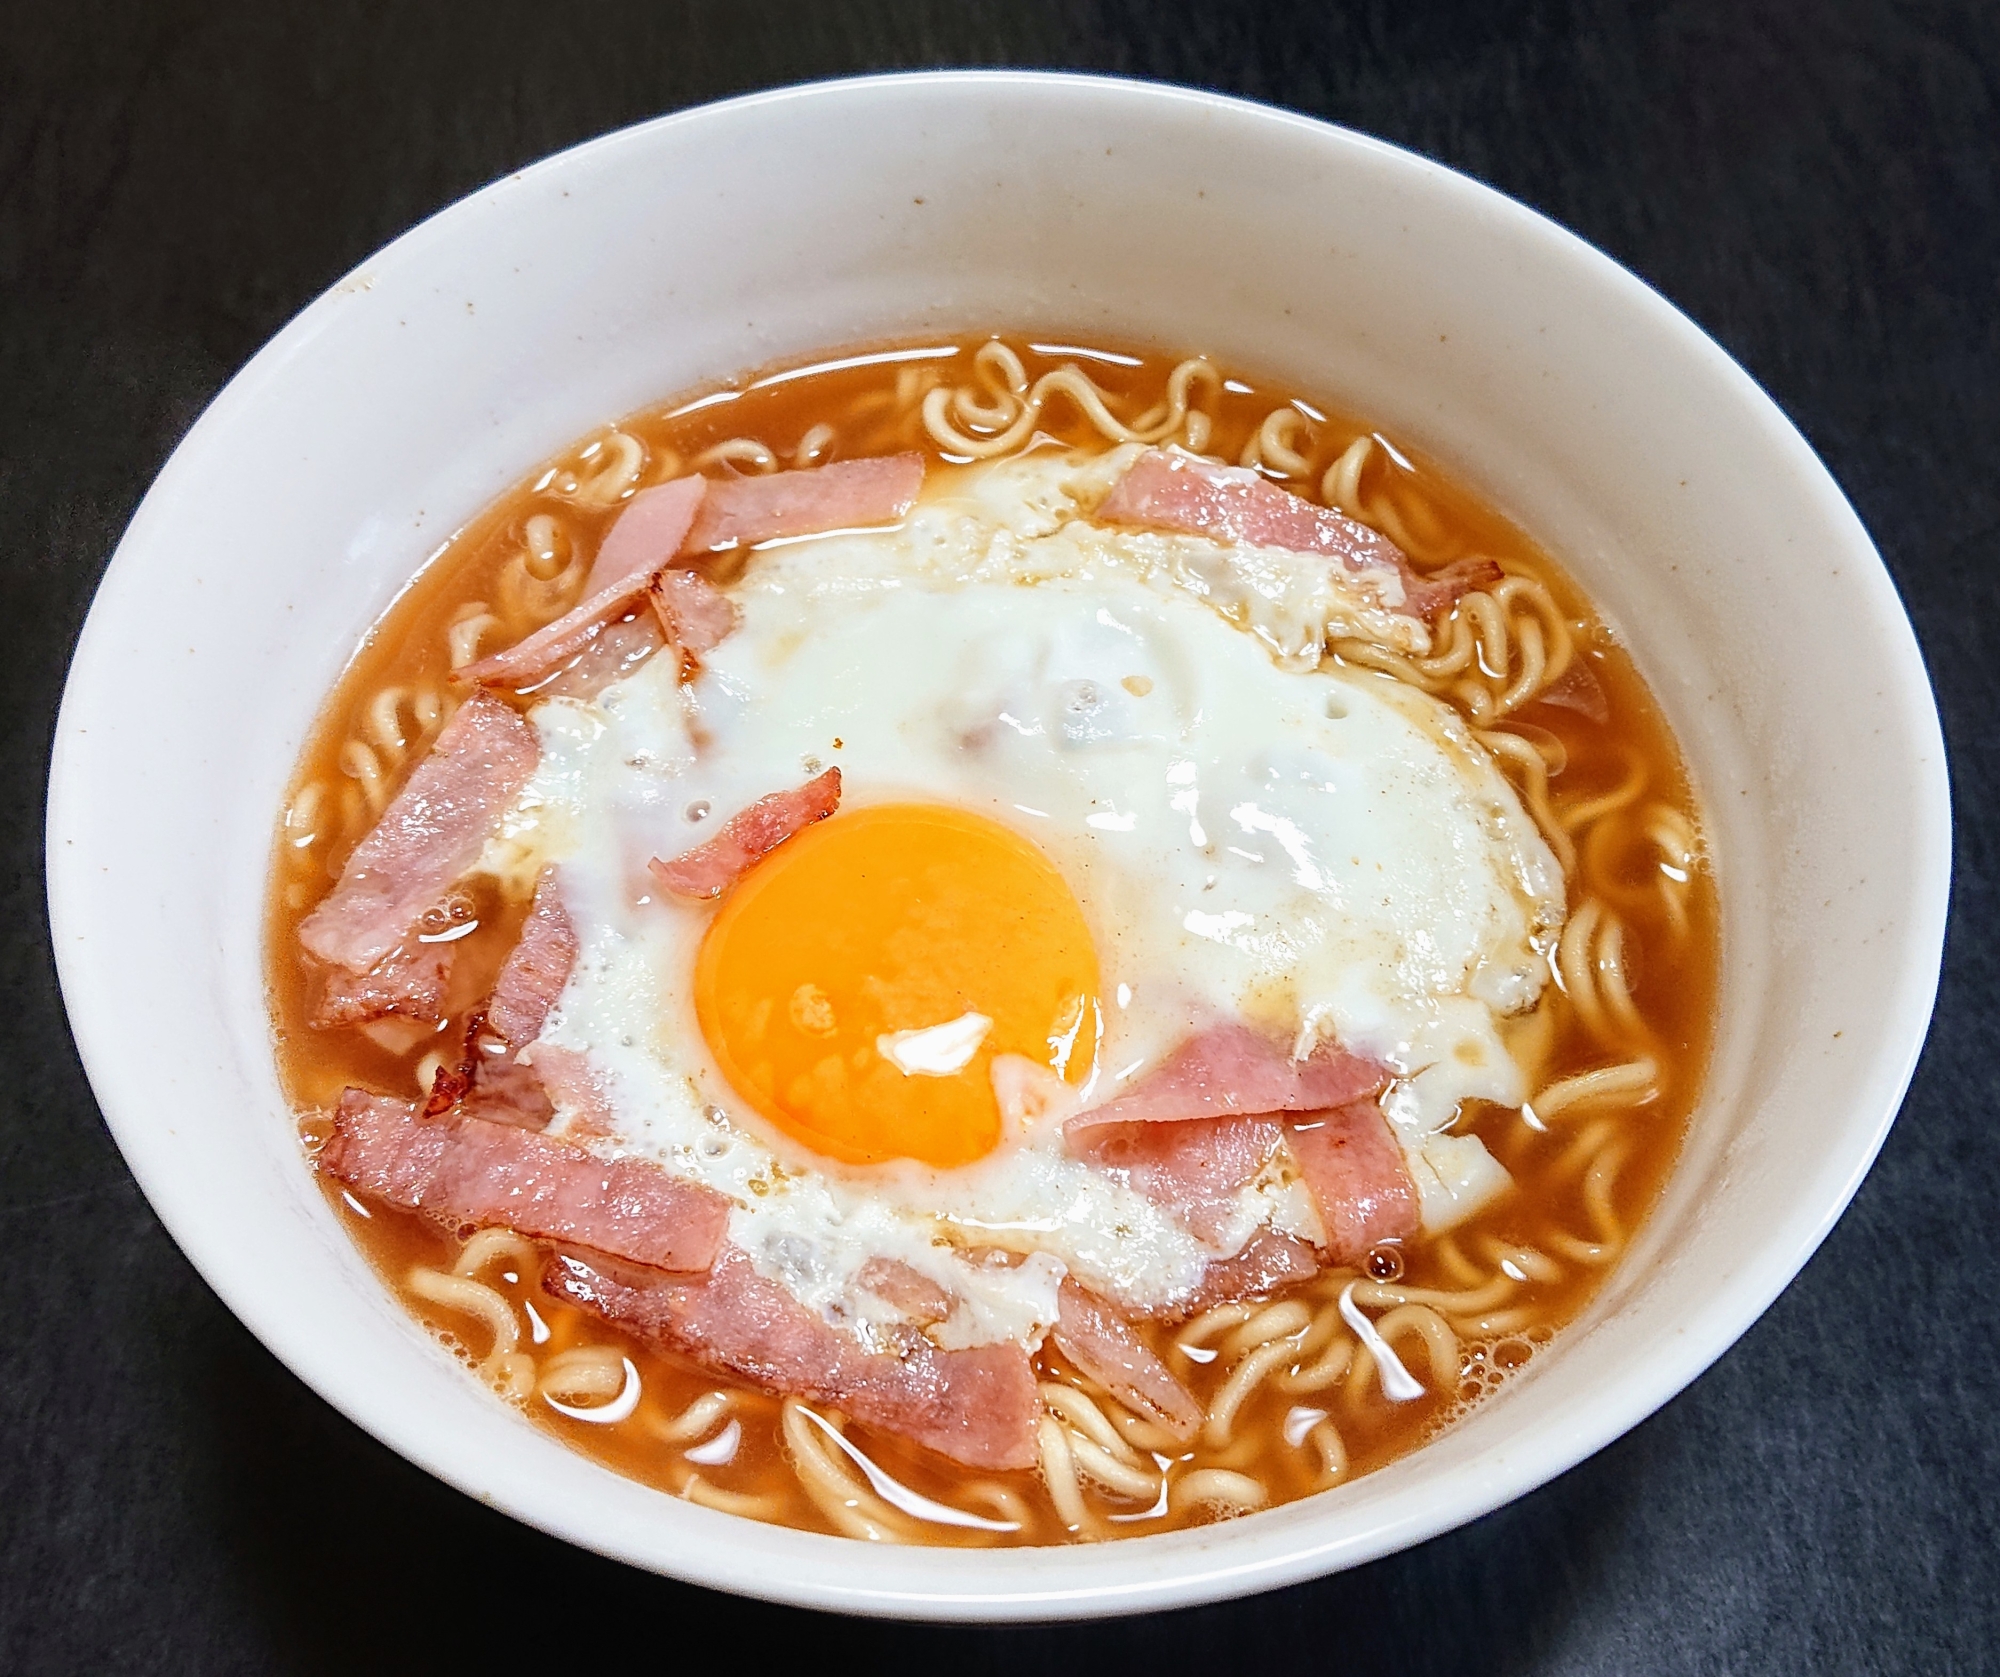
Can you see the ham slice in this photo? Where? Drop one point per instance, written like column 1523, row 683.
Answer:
column 747, row 837
column 1162, row 490
column 647, row 535
column 536, row 971
column 976, row 1407
column 848, row 495
column 1194, row 1168
column 1268, row 1263
column 470, row 1171
column 432, row 831
column 1230, row 1070
column 1103, row 1346
column 1357, row 1177
column 408, row 983
column 695, row 614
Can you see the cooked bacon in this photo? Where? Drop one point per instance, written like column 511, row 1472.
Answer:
column 408, row 983
column 1103, row 1346
column 1267, row 1263
column 489, row 1083
column 1162, row 490
column 536, row 971
column 747, row 837
column 695, row 614
column 647, row 535
column 469, row 1171
column 1578, row 689
column 503, row 1091
column 534, row 659
column 611, row 654
column 848, row 495
column 1231, row 1069
column 1426, row 593
column 576, row 1084
column 976, row 1407
column 1194, row 1168
column 381, row 1148
column 432, row 831
column 1357, row 1177
column 921, row 1300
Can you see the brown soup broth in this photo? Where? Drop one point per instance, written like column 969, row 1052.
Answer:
column 1584, row 1179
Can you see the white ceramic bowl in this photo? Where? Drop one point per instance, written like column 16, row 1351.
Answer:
column 774, row 226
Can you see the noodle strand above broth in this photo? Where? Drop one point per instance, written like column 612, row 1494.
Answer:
column 1344, row 1361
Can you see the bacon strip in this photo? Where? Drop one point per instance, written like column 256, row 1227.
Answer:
column 1268, row 1263
column 747, row 837
column 1194, row 1168
column 407, row 983
column 576, row 1083
column 1162, row 490
column 1102, row 1344
column 503, row 1091
column 1427, row 593
column 1578, row 689
column 647, row 535
column 537, row 970
column 976, row 1407
column 695, row 614
column 432, row 831
column 1230, row 1070
column 921, row 1300
column 611, row 654
column 467, row 1170
column 544, row 652
column 848, row 495
column 1357, row 1177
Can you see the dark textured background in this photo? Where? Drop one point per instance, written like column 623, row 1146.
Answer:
column 1815, row 184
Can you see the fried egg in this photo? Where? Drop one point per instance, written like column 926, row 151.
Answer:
column 1097, row 794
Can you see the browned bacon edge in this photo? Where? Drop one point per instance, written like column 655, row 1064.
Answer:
column 747, row 837
column 848, row 495
column 1355, row 1172
column 1162, row 490
column 975, row 1407
column 1103, row 1346
column 432, row 831
column 467, row 1171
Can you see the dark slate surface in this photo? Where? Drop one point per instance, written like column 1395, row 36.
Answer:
column 1815, row 184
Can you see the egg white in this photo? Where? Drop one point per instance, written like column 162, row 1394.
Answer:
column 1326, row 853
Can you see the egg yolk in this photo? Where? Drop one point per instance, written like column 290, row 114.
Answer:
column 857, row 983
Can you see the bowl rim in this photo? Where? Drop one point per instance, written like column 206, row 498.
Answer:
column 1195, row 1576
